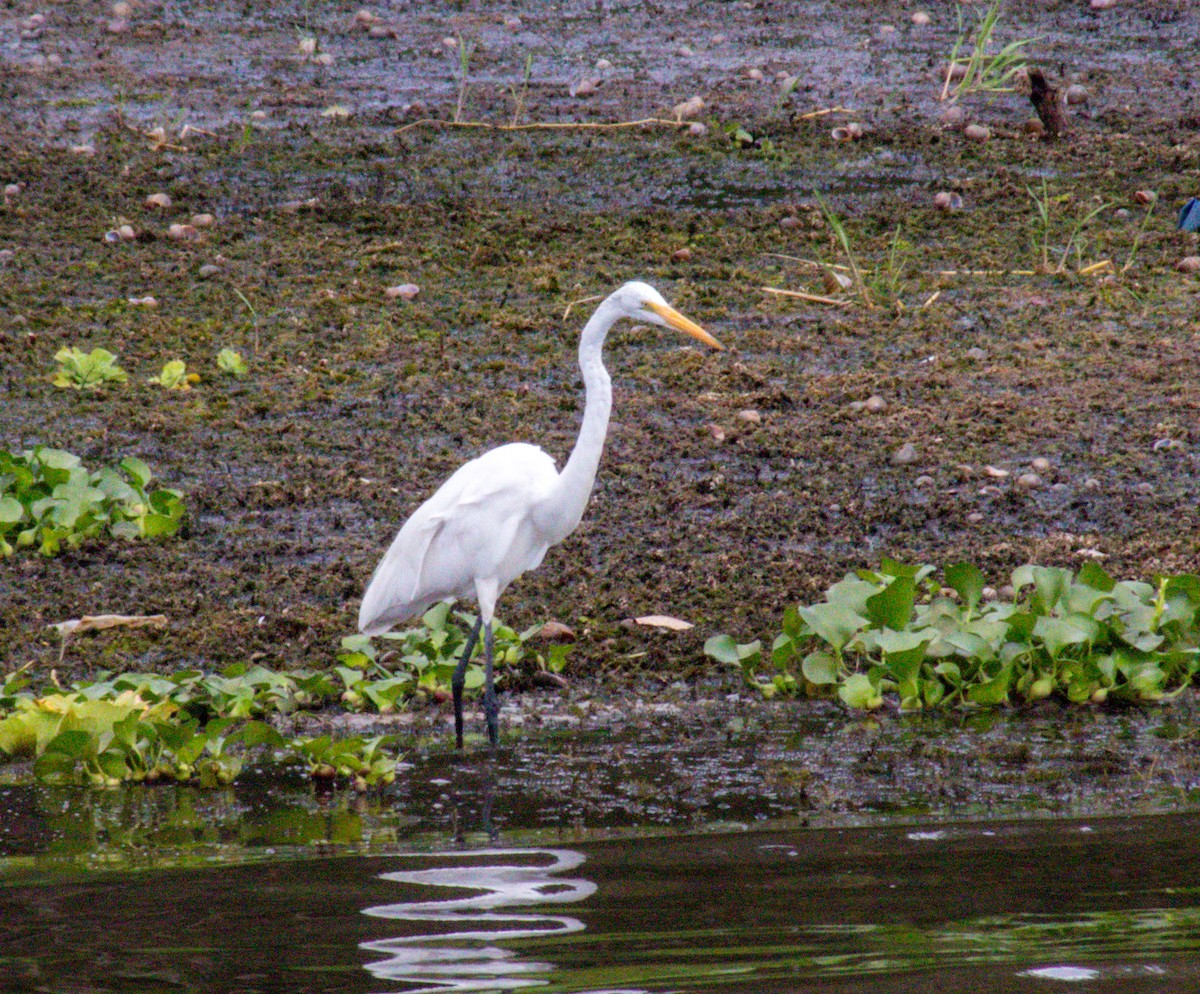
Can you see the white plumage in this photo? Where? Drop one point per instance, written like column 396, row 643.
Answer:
column 496, row 516
column 481, row 523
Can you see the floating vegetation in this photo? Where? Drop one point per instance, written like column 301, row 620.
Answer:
column 79, row 370
column 1084, row 637
column 174, row 376
column 186, row 728
column 48, row 498
column 199, row 727
column 231, row 363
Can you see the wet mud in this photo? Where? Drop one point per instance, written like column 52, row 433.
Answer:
column 732, row 484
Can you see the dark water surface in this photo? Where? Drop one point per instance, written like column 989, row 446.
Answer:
column 1096, row 906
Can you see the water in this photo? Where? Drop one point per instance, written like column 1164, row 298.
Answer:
column 1107, row 905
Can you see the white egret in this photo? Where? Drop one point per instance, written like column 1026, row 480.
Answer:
column 496, row 516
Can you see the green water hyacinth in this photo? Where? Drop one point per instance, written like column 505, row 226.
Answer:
column 899, row 632
column 231, row 363
column 48, row 499
column 79, row 370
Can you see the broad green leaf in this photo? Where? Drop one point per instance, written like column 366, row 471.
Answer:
column 1094, row 575
column 992, row 692
column 11, row 512
column 724, row 649
column 903, row 652
column 851, row 594
column 1058, row 633
column 857, row 691
column 834, row 623
column 892, row 607
column 820, row 668
column 138, row 471
column 435, row 618
column 968, row 581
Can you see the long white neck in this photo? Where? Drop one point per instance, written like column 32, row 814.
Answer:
column 575, row 481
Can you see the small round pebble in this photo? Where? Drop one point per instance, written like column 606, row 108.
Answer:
column 875, row 403
column 158, row 200
column 405, row 291
column 920, row 18
column 1189, row 264
column 1091, row 483
column 1029, row 481
column 953, row 117
column 977, row 133
column 1041, row 465
column 906, row 454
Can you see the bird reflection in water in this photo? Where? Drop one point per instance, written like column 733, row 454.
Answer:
column 445, row 955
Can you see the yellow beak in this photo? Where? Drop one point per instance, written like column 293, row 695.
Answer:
column 680, row 323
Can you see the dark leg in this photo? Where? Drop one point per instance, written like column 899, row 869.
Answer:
column 460, row 677
column 491, row 709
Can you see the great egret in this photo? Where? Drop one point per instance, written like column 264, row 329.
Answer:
column 496, row 516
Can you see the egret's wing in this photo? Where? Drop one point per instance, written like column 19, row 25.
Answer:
column 477, row 524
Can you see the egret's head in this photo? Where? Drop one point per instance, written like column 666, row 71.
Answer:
column 642, row 302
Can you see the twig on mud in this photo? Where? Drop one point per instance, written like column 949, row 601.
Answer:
column 541, row 125
column 159, row 142
column 933, row 297
column 808, row 115
column 986, row 272
column 811, row 297
column 585, row 300
column 1096, row 267
column 389, row 247
column 809, row 262
column 99, row 622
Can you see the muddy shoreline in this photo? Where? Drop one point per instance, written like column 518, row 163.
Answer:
column 356, row 406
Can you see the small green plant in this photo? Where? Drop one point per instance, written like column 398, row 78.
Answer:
column 888, row 279
column 363, row 762
column 885, row 281
column 1137, row 237
column 977, row 71
column 519, row 95
column 48, row 498
column 424, row 658
column 79, row 370
column 174, row 376
column 1043, row 227
column 231, row 363
column 1085, row 637
column 465, row 50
